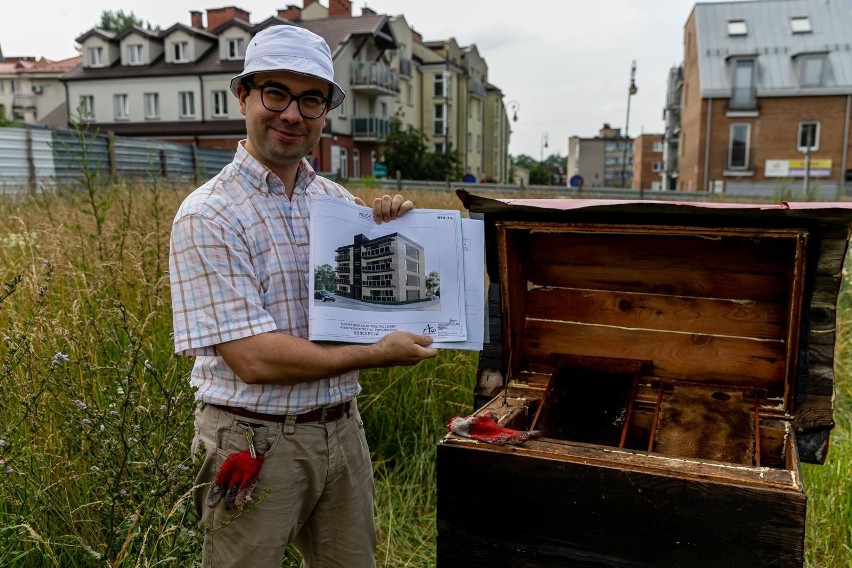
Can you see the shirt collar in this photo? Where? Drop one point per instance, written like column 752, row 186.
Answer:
column 264, row 179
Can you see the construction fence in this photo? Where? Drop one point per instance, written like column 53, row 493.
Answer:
column 36, row 157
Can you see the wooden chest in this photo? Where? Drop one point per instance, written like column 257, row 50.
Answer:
column 678, row 360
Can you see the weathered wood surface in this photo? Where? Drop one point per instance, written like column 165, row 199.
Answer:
column 508, row 508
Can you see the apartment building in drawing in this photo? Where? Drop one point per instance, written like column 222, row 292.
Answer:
column 390, row 268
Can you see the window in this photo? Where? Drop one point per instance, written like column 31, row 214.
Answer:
column 439, row 147
column 220, row 103
column 87, row 107
column 411, row 251
column 236, row 48
column 800, row 25
column 412, row 280
column 409, row 95
column 738, row 146
column 808, row 136
column 440, row 122
column 656, row 166
column 152, row 105
column 180, row 51
column 811, row 70
column 742, row 90
column 134, row 54
column 186, row 102
column 442, row 85
column 94, row 56
column 13, row 85
column 341, row 110
column 657, row 146
column 737, row 28
column 411, row 266
column 121, row 106
column 1, row 86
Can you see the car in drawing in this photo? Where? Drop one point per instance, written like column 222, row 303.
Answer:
column 324, row 295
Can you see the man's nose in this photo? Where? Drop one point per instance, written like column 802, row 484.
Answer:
column 291, row 113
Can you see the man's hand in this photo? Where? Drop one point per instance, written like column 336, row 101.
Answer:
column 403, row 348
column 236, row 480
column 387, row 208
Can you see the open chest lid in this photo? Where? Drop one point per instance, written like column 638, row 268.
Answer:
column 722, row 294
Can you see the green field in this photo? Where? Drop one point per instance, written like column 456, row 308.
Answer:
column 96, row 411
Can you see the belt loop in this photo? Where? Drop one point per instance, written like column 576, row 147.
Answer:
column 289, row 427
column 322, row 415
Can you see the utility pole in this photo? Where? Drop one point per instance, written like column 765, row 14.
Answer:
column 630, row 92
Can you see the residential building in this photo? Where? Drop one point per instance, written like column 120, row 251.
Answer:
column 766, row 95
column 173, row 85
column 671, row 136
column 496, row 165
column 390, row 268
column 603, row 161
column 648, row 162
column 30, row 89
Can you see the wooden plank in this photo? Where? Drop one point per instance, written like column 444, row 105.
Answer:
column 494, row 506
column 674, row 313
column 832, row 253
column 815, row 413
column 701, row 358
column 665, row 280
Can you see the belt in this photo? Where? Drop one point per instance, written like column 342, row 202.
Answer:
column 322, row 415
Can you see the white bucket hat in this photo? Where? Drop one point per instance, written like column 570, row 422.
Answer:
column 291, row 48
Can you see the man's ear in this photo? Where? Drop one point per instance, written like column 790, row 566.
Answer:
column 242, row 95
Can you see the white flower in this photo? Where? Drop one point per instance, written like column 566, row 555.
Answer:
column 94, row 468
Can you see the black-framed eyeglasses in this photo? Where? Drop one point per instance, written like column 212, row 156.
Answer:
column 276, row 98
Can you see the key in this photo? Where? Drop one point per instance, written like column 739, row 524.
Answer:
column 248, row 432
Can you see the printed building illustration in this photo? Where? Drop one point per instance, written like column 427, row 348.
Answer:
column 386, row 269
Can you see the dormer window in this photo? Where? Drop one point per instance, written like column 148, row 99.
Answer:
column 737, row 28
column 134, row 54
column 811, row 70
column 180, row 51
column 236, row 48
column 95, row 56
column 800, row 25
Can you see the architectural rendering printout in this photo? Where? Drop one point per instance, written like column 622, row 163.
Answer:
column 408, row 274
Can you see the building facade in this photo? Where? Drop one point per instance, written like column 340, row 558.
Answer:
column 31, row 90
column 173, row 85
column 648, row 162
column 766, row 96
column 387, row 269
column 603, row 161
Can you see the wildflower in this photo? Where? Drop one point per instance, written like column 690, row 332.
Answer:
column 102, row 428
column 9, row 469
column 87, row 422
column 113, row 413
column 149, row 366
column 94, row 468
column 137, row 428
column 183, row 467
column 80, row 404
column 122, row 493
column 2, row 442
column 60, row 357
column 191, row 534
column 162, row 407
column 2, row 463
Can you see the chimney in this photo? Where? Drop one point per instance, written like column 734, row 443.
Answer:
column 292, row 13
column 365, row 11
column 306, row 3
column 196, row 18
column 218, row 16
column 339, row 8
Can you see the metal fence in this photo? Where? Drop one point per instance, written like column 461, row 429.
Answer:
column 35, row 157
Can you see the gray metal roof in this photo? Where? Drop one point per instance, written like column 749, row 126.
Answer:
column 774, row 46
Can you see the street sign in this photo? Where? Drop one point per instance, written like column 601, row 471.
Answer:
column 576, row 181
column 380, row 170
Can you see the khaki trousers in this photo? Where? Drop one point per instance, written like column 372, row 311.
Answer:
column 315, row 490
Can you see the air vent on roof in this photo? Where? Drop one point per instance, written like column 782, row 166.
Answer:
column 800, row 25
column 737, row 28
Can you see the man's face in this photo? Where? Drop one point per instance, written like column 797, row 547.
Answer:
column 281, row 139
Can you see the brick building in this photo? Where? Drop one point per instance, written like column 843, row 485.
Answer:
column 766, row 96
column 648, row 162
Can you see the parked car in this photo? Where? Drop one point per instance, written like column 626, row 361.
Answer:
column 324, row 295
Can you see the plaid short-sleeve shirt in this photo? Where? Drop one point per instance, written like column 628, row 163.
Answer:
column 239, row 266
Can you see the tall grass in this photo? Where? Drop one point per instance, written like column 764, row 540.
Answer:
column 96, row 411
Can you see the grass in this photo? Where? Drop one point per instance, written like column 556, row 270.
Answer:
column 96, row 411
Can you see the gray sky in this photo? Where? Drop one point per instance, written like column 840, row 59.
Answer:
column 565, row 62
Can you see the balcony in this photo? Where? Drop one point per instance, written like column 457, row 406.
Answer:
column 476, row 88
column 370, row 128
column 379, row 267
column 342, row 257
column 21, row 102
column 377, row 252
column 374, row 79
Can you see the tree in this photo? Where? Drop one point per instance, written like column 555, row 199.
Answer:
column 538, row 175
column 433, row 280
column 404, row 150
column 325, row 278
column 119, row 21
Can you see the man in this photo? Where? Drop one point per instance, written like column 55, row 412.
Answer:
column 275, row 408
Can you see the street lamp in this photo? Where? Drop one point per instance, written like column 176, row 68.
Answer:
column 514, row 107
column 630, row 92
column 543, row 145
